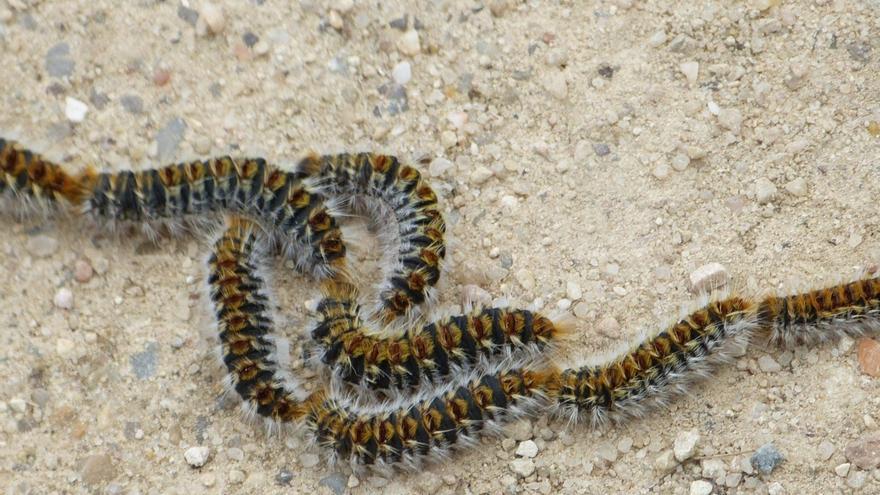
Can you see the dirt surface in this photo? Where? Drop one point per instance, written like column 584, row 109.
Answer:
column 599, row 151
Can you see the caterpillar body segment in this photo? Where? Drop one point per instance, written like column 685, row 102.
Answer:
column 36, row 182
column 248, row 346
column 416, row 267
column 279, row 200
column 424, row 355
column 430, row 426
column 657, row 368
column 821, row 315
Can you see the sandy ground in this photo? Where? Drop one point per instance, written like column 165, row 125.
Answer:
column 595, row 150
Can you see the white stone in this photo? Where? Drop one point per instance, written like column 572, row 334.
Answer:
column 700, row 487
column 525, row 278
column 480, row 175
column 708, row 277
column 842, row 469
column 796, row 187
column 765, row 191
column 691, row 70
column 556, row 85
column 409, row 43
column 42, row 246
column 825, row 450
column 197, row 456
column 439, row 166
column 402, row 73
column 75, row 110
column 64, row 347
column 731, row 119
column 522, row 467
column 213, row 16
column 573, row 290
column 63, row 299
column 527, row 449
column 714, row 469
column 775, row 488
column 685, row 444
column 680, row 162
column 665, row 462
column 768, row 364
column 657, row 39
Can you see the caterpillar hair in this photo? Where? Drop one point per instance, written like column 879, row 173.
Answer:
column 415, row 268
column 386, row 435
column 817, row 316
column 423, row 355
column 248, row 346
column 657, row 368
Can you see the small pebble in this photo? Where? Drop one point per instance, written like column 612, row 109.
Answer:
column 709, row 277
column 765, row 191
column 284, row 477
column 856, row 479
column 609, row 327
column 665, row 462
column 601, row 149
column 336, row 482
column 98, row 469
column 766, row 458
column 64, row 347
column 869, row 356
column 775, row 488
column 796, row 187
column 768, row 364
column 731, row 119
column 522, row 467
column 606, row 451
column 685, row 444
column 213, row 16
column 714, row 469
column 825, row 450
column 144, row 364
column 82, row 271
column 197, row 456
column 63, row 299
column 480, row 175
column 660, row 171
column 42, row 246
column 657, row 39
column 842, row 469
column 132, row 103
column 169, row 138
column 556, row 85
column 75, row 110
column 573, row 290
column 161, row 77
column 865, row 451
column 409, row 44
column 527, row 448
column 402, row 73
column 700, row 487
column 439, row 166
column 58, row 62
column 691, row 70
column 520, row 430
column 309, row 460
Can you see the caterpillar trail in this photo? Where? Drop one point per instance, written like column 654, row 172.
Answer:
column 401, row 401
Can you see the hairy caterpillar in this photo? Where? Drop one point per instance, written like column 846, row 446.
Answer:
column 453, row 379
column 428, row 354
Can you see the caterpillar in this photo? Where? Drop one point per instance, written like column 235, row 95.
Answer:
column 428, row 424
column 423, row 355
column 398, row 402
column 402, row 433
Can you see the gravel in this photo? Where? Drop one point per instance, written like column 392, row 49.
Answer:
column 169, row 137
column 766, row 458
column 132, row 103
column 864, row 452
column 144, row 364
column 197, row 457
column 685, row 445
column 58, row 62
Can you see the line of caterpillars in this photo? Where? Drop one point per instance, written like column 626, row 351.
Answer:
column 456, row 378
